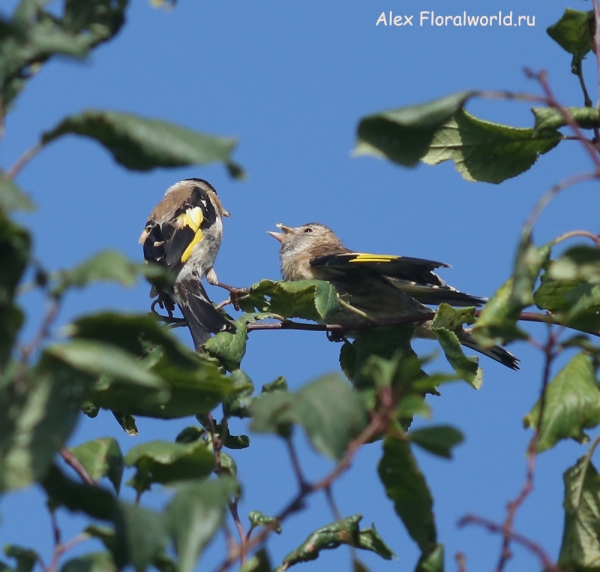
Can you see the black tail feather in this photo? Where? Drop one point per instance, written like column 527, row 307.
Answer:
column 202, row 317
column 495, row 352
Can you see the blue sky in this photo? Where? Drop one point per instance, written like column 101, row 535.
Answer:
column 291, row 80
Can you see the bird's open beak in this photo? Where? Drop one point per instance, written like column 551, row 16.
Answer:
column 281, row 235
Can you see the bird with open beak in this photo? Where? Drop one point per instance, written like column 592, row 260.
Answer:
column 378, row 287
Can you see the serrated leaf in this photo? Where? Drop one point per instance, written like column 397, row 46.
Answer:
column 572, row 404
column 307, row 299
column 486, row 151
column 93, row 562
column 330, row 412
column 195, row 515
column 580, row 548
column 165, row 462
column 438, row 440
column 405, row 486
column 102, row 458
column 228, row 348
column 551, row 118
column 142, row 144
column 405, row 135
column 12, row 198
column 573, row 32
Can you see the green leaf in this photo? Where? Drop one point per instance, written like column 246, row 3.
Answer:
column 97, row 358
column 25, row 557
column 228, row 348
column 528, row 264
column 142, row 144
column 195, row 515
column 15, row 245
column 164, row 462
column 102, row 458
column 432, row 562
column 466, row 366
column 497, row 322
column 551, row 118
column 127, row 422
column 93, row 562
column 259, row 519
column 141, row 537
column 330, row 412
column 239, row 401
column 106, row 266
column 580, row 549
column 91, row 500
column 345, row 531
column 405, row 135
column 406, row 487
column 438, row 440
column 486, row 151
column 280, row 384
column 572, row 404
column 369, row 539
column 37, row 419
column 574, row 32
column 35, row 35
column 12, row 197
column 307, row 299
column 577, row 263
column 260, row 562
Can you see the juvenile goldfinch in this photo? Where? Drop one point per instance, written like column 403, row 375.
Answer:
column 379, row 287
column 184, row 233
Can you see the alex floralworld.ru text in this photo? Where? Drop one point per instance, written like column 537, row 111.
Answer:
column 427, row 18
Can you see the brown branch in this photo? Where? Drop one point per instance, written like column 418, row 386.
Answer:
column 573, row 233
column 547, row 562
column 76, row 465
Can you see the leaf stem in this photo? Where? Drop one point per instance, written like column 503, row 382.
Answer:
column 23, row 160
column 77, row 466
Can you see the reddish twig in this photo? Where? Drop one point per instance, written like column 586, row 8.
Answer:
column 76, row 465
column 23, row 160
column 507, row 528
column 547, row 563
column 461, row 562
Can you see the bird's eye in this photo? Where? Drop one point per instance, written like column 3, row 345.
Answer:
column 308, row 229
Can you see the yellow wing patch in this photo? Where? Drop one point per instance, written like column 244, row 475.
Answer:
column 192, row 218
column 375, row 258
column 188, row 251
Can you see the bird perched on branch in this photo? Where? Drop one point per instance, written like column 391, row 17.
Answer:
column 184, row 233
column 380, row 287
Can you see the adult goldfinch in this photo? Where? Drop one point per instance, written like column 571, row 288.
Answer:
column 184, row 233
column 380, row 287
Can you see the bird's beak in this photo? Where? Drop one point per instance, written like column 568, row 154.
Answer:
column 226, row 213
column 281, row 235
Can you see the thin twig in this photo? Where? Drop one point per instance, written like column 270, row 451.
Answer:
column 461, row 561
column 513, row 506
column 375, row 426
column 534, row 548
column 76, row 465
column 302, row 484
column 23, row 160
column 573, row 233
column 597, row 38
